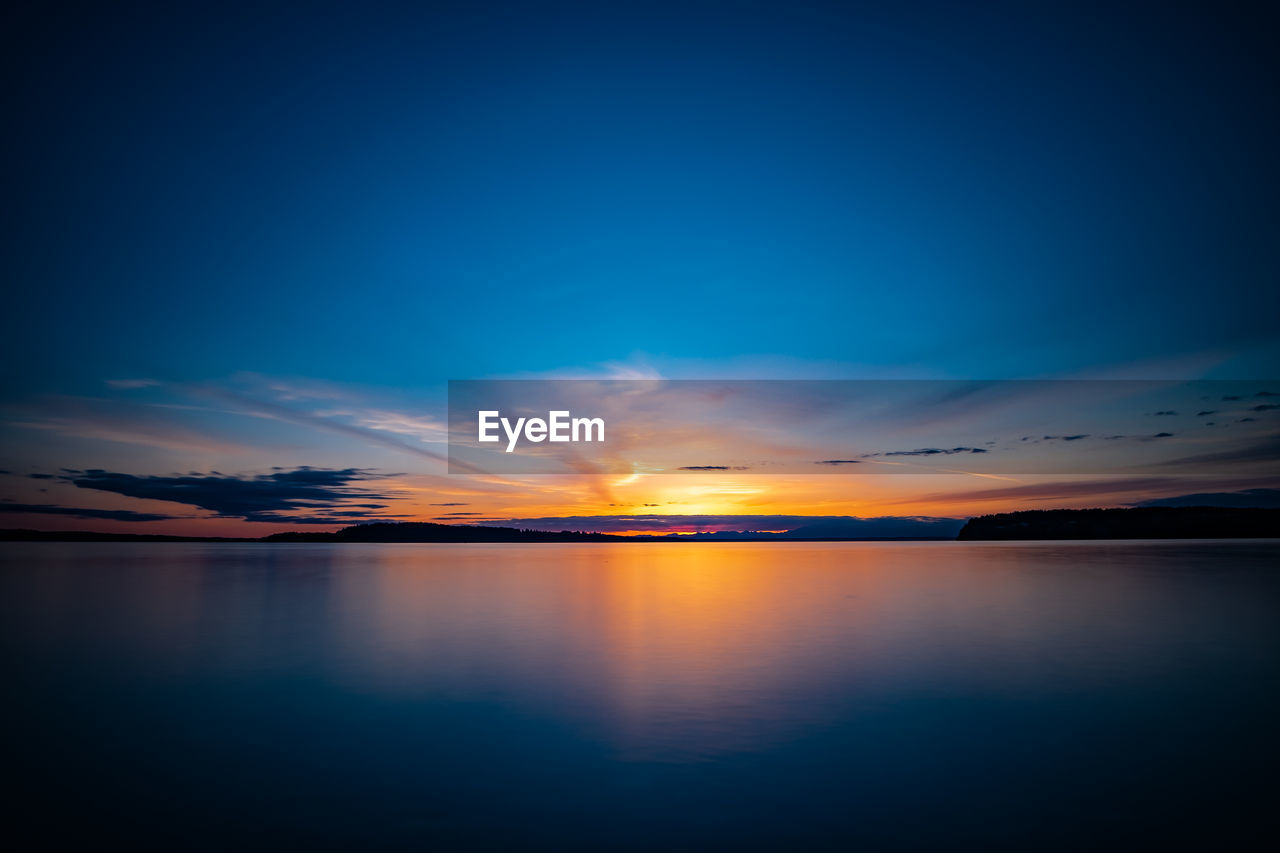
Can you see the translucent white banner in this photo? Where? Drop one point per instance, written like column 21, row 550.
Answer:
column 1000, row 427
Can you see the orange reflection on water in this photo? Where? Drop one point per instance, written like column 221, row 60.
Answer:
column 684, row 651
column 658, row 651
column 680, row 649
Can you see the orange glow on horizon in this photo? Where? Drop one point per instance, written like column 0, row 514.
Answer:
column 508, row 501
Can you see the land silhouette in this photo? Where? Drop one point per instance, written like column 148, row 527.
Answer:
column 1202, row 522
column 1166, row 522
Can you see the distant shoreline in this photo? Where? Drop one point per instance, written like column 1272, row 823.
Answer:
column 1055, row 524
column 90, row 536
column 1183, row 522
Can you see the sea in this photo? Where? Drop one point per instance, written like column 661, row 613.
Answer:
column 665, row 696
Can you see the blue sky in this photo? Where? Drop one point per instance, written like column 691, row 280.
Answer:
column 392, row 196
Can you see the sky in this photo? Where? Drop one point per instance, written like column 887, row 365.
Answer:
column 252, row 243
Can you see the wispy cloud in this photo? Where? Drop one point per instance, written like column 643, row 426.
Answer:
column 929, row 451
column 130, row 384
column 1106, row 491
column 120, row 422
column 279, row 411
column 1243, row 498
column 84, row 512
column 1265, row 451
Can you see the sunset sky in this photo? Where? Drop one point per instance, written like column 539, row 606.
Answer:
column 246, row 252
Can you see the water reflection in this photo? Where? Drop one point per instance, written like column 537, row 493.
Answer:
column 684, row 652
column 660, row 651
column 480, row 677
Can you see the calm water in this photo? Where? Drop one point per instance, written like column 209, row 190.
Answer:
column 776, row 696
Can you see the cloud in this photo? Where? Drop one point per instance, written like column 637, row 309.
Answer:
column 1246, row 498
column 422, row 427
column 929, row 451
column 124, row 423
column 1206, row 412
column 302, row 495
column 128, row 384
column 1051, row 491
column 1257, row 453
column 1166, row 412
column 712, row 468
column 1265, row 408
column 451, row 503
column 79, row 512
column 276, row 411
column 345, row 414
column 838, row 462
